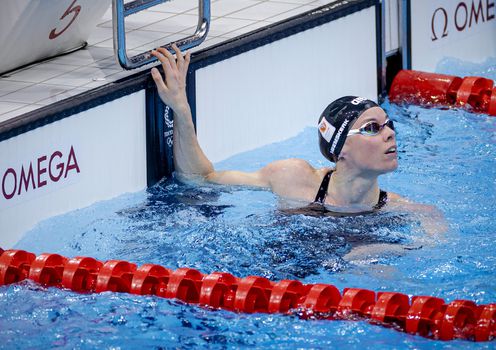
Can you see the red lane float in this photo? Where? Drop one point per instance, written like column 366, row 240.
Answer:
column 438, row 90
column 150, row 279
column 115, row 276
column 355, row 301
column 252, row 295
column 15, row 266
column 47, row 269
column 486, row 324
column 321, row 298
column 184, row 284
column 218, row 290
column 285, row 296
column 80, row 274
column 391, row 308
column 426, row 316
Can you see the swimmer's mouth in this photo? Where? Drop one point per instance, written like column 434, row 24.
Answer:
column 391, row 150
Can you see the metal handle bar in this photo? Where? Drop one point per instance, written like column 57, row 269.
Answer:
column 120, row 10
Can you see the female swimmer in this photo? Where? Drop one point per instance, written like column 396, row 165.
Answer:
column 354, row 133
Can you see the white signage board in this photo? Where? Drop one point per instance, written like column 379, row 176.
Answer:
column 91, row 156
column 452, row 28
column 391, row 30
column 31, row 30
column 272, row 92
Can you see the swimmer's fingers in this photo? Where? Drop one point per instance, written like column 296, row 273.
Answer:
column 172, row 88
column 179, row 57
column 159, row 81
column 169, row 56
column 162, row 87
column 161, row 57
column 187, row 60
column 172, row 76
column 182, row 60
column 164, row 60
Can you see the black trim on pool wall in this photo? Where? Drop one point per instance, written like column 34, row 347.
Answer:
column 157, row 160
column 406, row 34
column 380, row 50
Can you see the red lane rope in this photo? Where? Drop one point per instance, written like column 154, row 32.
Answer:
column 423, row 315
column 429, row 89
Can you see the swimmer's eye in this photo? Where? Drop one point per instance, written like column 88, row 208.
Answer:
column 372, row 128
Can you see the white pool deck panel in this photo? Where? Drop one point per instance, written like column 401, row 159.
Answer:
column 58, row 78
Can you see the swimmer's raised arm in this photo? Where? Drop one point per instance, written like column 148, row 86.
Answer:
column 189, row 158
column 190, row 161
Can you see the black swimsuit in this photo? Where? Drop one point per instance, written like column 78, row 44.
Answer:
column 322, row 193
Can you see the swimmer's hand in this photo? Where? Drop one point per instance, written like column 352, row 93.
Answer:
column 370, row 252
column 189, row 160
column 172, row 89
column 430, row 217
column 432, row 221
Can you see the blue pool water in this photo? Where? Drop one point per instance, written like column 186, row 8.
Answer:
column 447, row 159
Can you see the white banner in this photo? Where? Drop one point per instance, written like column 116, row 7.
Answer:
column 31, row 30
column 272, row 92
column 91, row 156
column 452, row 28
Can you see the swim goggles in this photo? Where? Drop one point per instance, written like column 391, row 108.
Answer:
column 371, row 128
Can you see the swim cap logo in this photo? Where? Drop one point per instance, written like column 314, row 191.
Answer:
column 338, row 135
column 326, row 129
column 358, row 100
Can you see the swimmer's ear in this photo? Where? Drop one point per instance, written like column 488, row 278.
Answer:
column 342, row 155
column 344, row 151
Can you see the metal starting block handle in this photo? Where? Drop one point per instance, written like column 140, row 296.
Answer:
column 121, row 10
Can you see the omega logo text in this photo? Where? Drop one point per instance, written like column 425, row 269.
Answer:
column 41, row 172
column 465, row 15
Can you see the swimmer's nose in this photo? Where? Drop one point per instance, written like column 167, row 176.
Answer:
column 388, row 133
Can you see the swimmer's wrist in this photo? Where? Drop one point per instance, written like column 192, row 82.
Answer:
column 181, row 108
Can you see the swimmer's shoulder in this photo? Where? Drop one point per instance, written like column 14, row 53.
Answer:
column 294, row 166
column 396, row 198
column 431, row 218
column 399, row 202
column 294, row 178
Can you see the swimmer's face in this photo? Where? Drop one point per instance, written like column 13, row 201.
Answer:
column 373, row 155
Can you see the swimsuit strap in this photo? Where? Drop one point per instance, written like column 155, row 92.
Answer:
column 321, row 195
column 382, row 200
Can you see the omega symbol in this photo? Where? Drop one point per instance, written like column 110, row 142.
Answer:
column 445, row 15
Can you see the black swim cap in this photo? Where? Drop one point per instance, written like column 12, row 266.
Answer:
column 335, row 122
